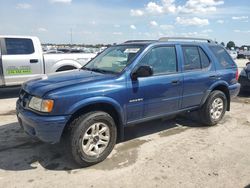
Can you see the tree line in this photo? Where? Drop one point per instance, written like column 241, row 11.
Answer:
column 231, row 45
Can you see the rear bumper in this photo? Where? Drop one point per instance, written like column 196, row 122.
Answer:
column 234, row 90
column 45, row 128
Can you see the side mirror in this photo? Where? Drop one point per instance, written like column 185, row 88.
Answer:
column 142, row 71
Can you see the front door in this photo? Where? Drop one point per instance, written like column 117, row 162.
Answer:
column 20, row 60
column 160, row 93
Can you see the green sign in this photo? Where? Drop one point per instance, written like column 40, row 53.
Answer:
column 19, row 71
column 13, row 70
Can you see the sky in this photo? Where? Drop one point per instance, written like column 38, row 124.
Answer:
column 115, row 21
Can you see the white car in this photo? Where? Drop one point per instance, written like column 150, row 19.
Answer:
column 22, row 58
column 233, row 54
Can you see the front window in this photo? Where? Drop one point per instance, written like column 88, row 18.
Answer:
column 114, row 59
column 161, row 59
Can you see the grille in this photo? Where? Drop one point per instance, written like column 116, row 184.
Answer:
column 24, row 98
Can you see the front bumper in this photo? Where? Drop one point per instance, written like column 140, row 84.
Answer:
column 234, row 90
column 45, row 128
column 245, row 83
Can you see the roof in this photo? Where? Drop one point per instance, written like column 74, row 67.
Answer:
column 16, row 36
column 138, row 42
column 192, row 39
column 172, row 40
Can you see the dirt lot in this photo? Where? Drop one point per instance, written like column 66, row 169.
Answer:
column 162, row 153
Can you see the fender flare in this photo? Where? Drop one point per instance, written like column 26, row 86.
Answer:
column 211, row 88
column 95, row 100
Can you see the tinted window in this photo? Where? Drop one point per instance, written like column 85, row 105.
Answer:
column 15, row 46
column 205, row 62
column 192, row 58
column 222, row 56
column 161, row 59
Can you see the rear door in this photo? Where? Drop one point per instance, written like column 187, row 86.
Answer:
column 199, row 74
column 20, row 60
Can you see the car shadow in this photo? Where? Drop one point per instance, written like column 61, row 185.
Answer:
column 19, row 152
column 9, row 92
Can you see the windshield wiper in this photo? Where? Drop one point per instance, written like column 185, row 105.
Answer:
column 85, row 68
column 103, row 71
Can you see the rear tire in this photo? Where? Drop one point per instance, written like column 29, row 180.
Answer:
column 214, row 108
column 91, row 138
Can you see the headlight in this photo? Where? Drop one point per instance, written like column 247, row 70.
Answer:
column 41, row 105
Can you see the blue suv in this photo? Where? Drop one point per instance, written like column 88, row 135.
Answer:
column 126, row 84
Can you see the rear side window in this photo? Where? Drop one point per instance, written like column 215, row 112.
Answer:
column 17, row 46
column 192, row 58
column 205, row 62
column 222, row 56
column 195, row 58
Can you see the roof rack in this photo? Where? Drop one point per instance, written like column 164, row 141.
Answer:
column 185, row 38
column 130, row 41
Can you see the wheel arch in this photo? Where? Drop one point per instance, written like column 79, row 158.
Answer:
column 112, row 109
column 67, row 62
column 221, row 86
column 225, row 90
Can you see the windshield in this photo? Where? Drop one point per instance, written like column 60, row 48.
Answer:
column 114, row 59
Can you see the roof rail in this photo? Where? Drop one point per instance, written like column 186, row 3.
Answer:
column 130, row 41
column 185, row 38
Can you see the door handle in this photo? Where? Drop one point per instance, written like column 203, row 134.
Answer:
column 175, row 82
column 33, row 60
column 213, row 77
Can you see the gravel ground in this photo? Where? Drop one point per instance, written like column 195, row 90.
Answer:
column 161, row 153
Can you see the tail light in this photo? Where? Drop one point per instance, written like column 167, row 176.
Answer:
column 237, row 74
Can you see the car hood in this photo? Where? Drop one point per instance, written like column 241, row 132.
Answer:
column 42, row 85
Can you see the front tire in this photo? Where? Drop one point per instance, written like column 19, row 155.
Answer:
column 92, row 138
column 214, row 108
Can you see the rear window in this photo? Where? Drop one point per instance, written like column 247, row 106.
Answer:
column 17, row 46
column 205, row 62
column 224, row 59
column 192, row 58
column 195, row 58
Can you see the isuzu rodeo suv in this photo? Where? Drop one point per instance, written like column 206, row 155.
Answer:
column 133, row 82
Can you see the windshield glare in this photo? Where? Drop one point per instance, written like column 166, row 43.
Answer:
column 114, row 59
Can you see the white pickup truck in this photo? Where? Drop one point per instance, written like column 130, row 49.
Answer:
column 22, row 58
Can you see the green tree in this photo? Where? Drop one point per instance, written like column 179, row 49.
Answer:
column 230, row 45
column 222, row 43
